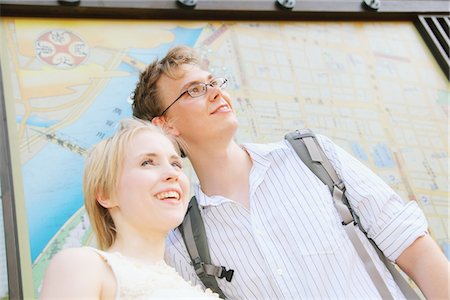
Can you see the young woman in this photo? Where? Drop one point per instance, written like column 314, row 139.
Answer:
column 134, row 193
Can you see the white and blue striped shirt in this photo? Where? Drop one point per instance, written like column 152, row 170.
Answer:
column 290, row 244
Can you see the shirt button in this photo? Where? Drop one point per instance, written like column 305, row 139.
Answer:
column 258, row 232
column 280, row 271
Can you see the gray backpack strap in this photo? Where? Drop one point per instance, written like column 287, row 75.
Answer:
column 308, row 149
column 193, row 232
column 305, row 145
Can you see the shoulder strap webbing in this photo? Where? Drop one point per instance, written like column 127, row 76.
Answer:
column 308, row 149
column 193, row 232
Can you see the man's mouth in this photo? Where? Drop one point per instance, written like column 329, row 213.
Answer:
column 222, row 108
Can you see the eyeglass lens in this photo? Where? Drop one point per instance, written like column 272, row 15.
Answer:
column 200, row 88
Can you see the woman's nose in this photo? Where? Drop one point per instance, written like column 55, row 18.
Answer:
column 170, row 174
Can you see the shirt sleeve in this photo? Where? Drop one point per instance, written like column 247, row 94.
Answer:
column 388, row 220
column 176, row 256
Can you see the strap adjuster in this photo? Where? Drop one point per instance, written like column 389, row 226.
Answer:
column 340, row 186
column 198, row 266
column 301, row 133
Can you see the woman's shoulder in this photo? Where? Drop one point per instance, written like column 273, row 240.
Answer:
column 77, row 261
column 77, row 257
column 88, row 274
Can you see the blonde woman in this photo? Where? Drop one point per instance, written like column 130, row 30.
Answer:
column 135, row 192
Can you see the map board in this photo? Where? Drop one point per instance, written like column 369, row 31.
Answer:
column 374, row 88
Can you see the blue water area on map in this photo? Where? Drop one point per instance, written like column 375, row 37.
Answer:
column 382, row 156
column 358, row 151
column 52, row 184
column 53, row 177
column 183, row 36
column 37, row 121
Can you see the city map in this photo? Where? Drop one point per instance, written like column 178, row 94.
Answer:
column 373, row 88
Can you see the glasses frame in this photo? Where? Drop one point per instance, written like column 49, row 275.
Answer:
column 225, row 80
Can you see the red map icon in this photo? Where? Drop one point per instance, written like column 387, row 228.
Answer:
column 61, row 48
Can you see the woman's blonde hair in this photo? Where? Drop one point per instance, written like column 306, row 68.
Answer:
column 103, row 168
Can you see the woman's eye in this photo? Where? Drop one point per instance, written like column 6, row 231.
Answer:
column 177, row 164
column 147, row 163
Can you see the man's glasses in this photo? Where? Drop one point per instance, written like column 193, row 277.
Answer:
column 200, row 89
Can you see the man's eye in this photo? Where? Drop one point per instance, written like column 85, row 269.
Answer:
column 195, row 89
column 214, row 83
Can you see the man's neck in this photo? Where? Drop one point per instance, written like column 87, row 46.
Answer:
column 224, row 172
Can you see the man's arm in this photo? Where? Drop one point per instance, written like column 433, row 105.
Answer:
column 425, row 263
column 392, row 223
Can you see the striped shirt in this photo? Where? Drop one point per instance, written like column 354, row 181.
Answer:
column 290, row 244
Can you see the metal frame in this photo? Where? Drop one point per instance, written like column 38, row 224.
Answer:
column 15, row 288
column 224, row 10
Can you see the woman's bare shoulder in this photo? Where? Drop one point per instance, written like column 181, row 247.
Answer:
column 75, row 272
column 78, row 258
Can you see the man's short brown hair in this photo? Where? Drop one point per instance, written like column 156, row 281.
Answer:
column 146, row 99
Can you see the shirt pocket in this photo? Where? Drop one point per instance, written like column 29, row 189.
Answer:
column 319, row 231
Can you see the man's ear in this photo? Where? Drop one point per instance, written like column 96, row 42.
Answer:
column 106, row 202
column 165, row 124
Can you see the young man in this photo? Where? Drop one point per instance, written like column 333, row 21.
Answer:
column 267, row 216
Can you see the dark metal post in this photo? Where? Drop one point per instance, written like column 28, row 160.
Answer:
column 9, row 208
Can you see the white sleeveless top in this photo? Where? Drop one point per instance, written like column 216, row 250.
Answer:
column 139, row 281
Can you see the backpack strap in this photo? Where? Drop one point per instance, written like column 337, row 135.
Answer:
column 308, row 149
column 193, row 232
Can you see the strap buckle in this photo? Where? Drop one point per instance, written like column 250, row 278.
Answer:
column 202, row 270
column 227, row 274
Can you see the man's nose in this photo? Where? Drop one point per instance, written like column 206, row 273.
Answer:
column 213, row 92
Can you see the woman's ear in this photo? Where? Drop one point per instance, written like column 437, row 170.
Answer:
column 165, row 124
column 106, row 202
